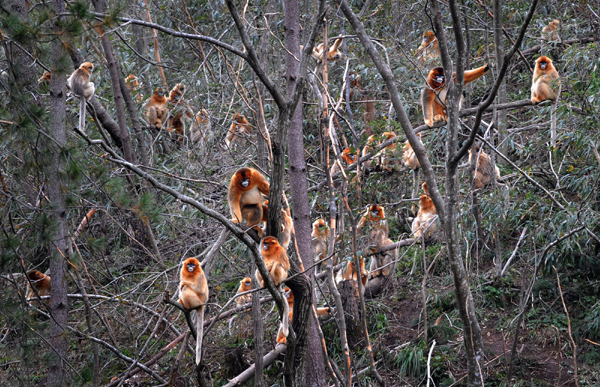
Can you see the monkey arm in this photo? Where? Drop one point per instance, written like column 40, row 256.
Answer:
column 234, row 205
column 471, row 75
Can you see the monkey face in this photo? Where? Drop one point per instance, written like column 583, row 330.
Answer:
column 243, row 177
column 160, row 92
column 543, row 65
column 269, row 243
column 376, row 211
column 246, row 284
column 428, row 36
column 89, row 66
column 436, row 78
column 191, row 266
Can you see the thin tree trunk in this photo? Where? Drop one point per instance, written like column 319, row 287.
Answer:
column 59, row 307
column 113, row 68
column 315, row 370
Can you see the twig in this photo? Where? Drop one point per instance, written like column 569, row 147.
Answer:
column 568, row 327
column 513, row 253
column 429, row 362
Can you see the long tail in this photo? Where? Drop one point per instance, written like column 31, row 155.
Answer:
column 82, row 114
column 553, row 122
column 285, row 321
column 199, row 333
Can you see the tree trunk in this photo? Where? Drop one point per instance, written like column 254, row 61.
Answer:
column 115, row 74
column 59, row 307
column 315, row 369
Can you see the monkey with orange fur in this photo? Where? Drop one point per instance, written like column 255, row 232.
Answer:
column 333, row 53
column 179, row 110
column 39, row 282
column 433, row 95
column 240, row 129
column 546, row 81
column 481, row 165
column 245, row 196
column 349, row 156
column 383, row 259
column 278, row 264
column 546, row 85
column 550, row 32
column 156, row 108
column 425, row 221
column 320, row 240
column 281, row 339
column 287, row 225
column 200, row 129
column 429, row 49
column 373, row 162
column 389, row 160
column 80, row 85
column 376, row 226
column 134, row 87
column 45, row 78
column 409, row 158
column 193, row 294
column 245, row 285
column 348, row 272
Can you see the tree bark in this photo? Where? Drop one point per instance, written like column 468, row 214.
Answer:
column 113, row 68
column 315, row 368
column 59, row 306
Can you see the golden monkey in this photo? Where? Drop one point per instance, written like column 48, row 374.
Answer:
column 178, row 109
column 278, row 264
column 375, row 225
column 134, row 86
column 45, row 78
column 546, row 85
column 290, row 300
column 193, row 294
column 409, row 157
column 245, row 196
column 333, row 53
column 275, row 259
column 156, row 108
column 389, row 160
column 425, row 189
column 349, row 157
column 240, row 129
column 287, row 225
column 433, row 96
column 383, row 259
column 200, row 129
column 546, row 81
column 320, row 240
column 550, row 32
column 245, row 285
column 481, row 165
column 348, row 272
column 40, row 282
column 80, row 85
column 426, row 219
column 373, row 162
column 429, row 49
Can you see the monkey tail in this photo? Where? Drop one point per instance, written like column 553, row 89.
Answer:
column 199, row 333
column 82, row 106
column 553, row 121
column 285, row 321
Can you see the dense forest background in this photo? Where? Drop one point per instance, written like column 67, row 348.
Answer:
column 506, row 293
